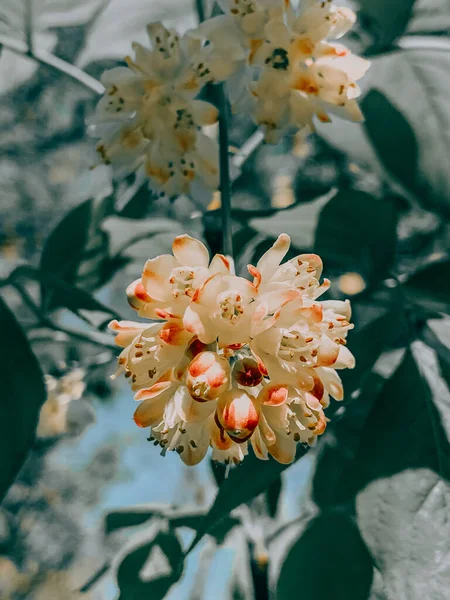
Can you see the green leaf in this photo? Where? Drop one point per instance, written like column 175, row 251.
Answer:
column 177, row 517
column 329, row 561
column 436, row 334
column 371, row 337
column 298, row 222
column 395, row 143
column 132, row 517
column 368, row 246
column 430, row 16
column 430, row 287
column 402, row 474
column 77, row 250
column 150, row 565
column 384, row 20
column 23, row 394
column 244, row 483
column 125, row 233
column 333, row 484
column 420, row 74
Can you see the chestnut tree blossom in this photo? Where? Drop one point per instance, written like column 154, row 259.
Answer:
column 227, row 362
column 281, row 65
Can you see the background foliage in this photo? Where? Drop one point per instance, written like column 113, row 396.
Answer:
column 373, row 200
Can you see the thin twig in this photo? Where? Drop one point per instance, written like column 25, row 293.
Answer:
column 247, row 149
column 199, row 7
column 96, row 339
column 29, row 27
column 95, row 578
column 225, row 182
column 49, row 59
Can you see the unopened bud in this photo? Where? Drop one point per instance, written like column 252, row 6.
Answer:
column 208, row 376
column 237, row 414
column 195, row 347
column 246, row 372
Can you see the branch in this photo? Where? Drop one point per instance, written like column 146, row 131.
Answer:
column 49, row 59
column 225, row 182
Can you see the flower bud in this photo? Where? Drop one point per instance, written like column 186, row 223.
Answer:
column 237, row 414
column 208, row 376
column 246, row 372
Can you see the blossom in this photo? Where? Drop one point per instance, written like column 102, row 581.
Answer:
column 149, row 351
column 60, row 393
column 291, row 69
column 222, row 309
column 208, row 376
column 149, row 116
column 231, row 363
column 169, row 282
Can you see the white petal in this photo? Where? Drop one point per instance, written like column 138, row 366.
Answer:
column 156, row 275
column 204, row 113
column 350, row 111
column 345, row 359
column 332, row 382
column 220, row 264
column 190, row 252
column 270, row 260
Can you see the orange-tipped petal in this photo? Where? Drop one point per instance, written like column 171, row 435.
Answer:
column 208, row 376
column 126, row 331
column 274, row 395
column 190, row 252
column 238, row 414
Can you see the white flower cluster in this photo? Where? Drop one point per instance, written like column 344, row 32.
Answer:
column 233, row 361
column 282, row 66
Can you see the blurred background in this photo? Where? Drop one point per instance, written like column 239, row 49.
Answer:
column 372, row 199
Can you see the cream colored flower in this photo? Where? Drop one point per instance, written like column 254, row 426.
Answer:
column 288, row 68
column 303, row 75
column 235, row 363
column 149, row 115
column 60, row 393
column 222, row 309
column 169, row 282
column 149, row 351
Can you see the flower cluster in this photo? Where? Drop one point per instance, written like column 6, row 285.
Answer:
column 228, row 361
column 281, row 65
column 149, row 116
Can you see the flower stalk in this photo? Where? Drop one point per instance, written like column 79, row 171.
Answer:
column 224, row 165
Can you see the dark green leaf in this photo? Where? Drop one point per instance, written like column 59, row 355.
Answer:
column 384, row 20
column 150, row 567
column 132, row 516
column 415, row 82
column 333, row 483
column 395, row 142
column 176, row 516
column 402, row 474
column 244, row 483
column 357, row 233
column 436, row 334
column 23, row 394
column 139, row 205
column 77, row 249
column 370, row 338
column 273, row 495
column 430, row 287
column 329, row 561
